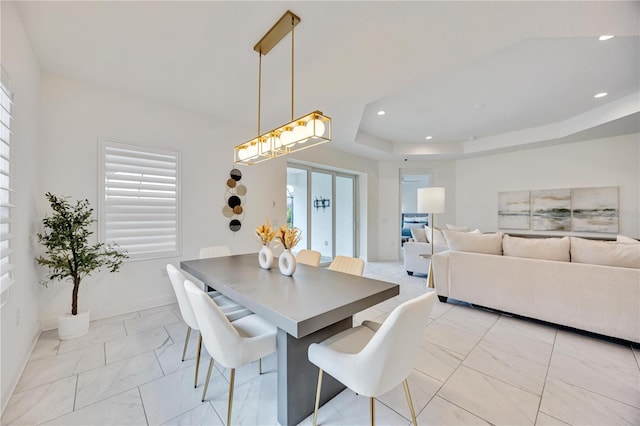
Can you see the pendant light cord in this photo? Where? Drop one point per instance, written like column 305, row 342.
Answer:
column 259, row 87
column 292, row 74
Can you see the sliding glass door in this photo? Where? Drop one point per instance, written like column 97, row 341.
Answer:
column 322, row 204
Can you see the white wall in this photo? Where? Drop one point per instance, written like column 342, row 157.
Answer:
column 20, row 313
column 603, row 162
column 389, row 218
column 75, row 115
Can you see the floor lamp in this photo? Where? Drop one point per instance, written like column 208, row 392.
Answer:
column 431, row 200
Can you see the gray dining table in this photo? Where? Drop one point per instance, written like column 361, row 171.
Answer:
column 310, row 306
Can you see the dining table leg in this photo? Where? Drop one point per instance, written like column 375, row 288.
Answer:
column 297, row 377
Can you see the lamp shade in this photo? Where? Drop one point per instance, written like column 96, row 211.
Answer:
column 431, row 200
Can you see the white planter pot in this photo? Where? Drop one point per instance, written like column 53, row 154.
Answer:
column 73, row 326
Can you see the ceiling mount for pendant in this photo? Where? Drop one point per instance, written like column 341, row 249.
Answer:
column 301, row 133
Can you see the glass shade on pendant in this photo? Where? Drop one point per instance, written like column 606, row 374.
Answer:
column 304, row 132
column 315, row 127
column 287, row 138
column 301, row 133
column 249, row 152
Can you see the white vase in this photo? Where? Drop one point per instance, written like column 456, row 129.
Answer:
column 265, row 257
column 287, row 263
column 73, row 326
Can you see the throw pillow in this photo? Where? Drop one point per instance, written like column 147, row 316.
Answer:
column 608, row 253
column 438, row 236
column 537, row 248
column 457, row 228
column 476, row 243
column 418, row 234
column 626, row 240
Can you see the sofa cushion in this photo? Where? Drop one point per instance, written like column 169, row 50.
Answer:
column 608, row 253
column 477, row 243
column 457, row 228
column 438, row 236
column 622, row 239
column 418, row 234
column 537, row 248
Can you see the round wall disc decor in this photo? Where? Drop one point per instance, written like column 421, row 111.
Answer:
column 236, row 174
column 227, row 211
column 234, row 200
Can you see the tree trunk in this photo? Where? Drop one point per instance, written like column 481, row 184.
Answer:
column 74, row 296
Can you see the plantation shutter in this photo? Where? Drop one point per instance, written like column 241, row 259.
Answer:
column 6, row 277
column 140, row 199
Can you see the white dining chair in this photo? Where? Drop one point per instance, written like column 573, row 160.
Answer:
column 233, row 343
column 232, row 310
column 308, row 257
column 371, row 359
column 214, row 251
column 348, row 265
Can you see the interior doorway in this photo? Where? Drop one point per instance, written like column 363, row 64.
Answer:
column 410, row 181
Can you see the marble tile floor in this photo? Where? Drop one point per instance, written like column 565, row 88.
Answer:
column 473, row 367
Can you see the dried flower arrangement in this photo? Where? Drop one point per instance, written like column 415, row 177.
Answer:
column 289, row 237
column 264, row 233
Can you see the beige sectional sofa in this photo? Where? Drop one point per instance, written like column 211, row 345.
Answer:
column 584, row 284
column 420, row 243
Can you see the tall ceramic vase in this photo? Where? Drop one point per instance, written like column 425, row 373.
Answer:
column 287, row 263
column 265, row 257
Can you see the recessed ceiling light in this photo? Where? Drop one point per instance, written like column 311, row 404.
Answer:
column 381, row 112
column 600, row 95
column 605, row 37
column 428, row 137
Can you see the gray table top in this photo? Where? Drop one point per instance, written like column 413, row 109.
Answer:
column 311, row 299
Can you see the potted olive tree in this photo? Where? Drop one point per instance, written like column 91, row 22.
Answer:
column 69, row 256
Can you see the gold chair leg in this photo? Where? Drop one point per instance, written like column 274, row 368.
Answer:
column 315, row 412
column 373, row 411
column 260, row 365
column 186, row 342
column 231, row 380
column 206, row 384
column 195, row 383
column 408, row 394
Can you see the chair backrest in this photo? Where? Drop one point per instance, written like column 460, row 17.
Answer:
column 177, row 279
column 214, row 251
column 220, row 337
column 348, row 265
column 389, row 356
column 308, row 257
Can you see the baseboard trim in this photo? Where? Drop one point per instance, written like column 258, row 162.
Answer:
column 111, row 311
column 14, row 385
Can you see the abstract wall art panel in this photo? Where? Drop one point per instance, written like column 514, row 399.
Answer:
column 595, row 209
column 514, row 210
column 551, row 210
